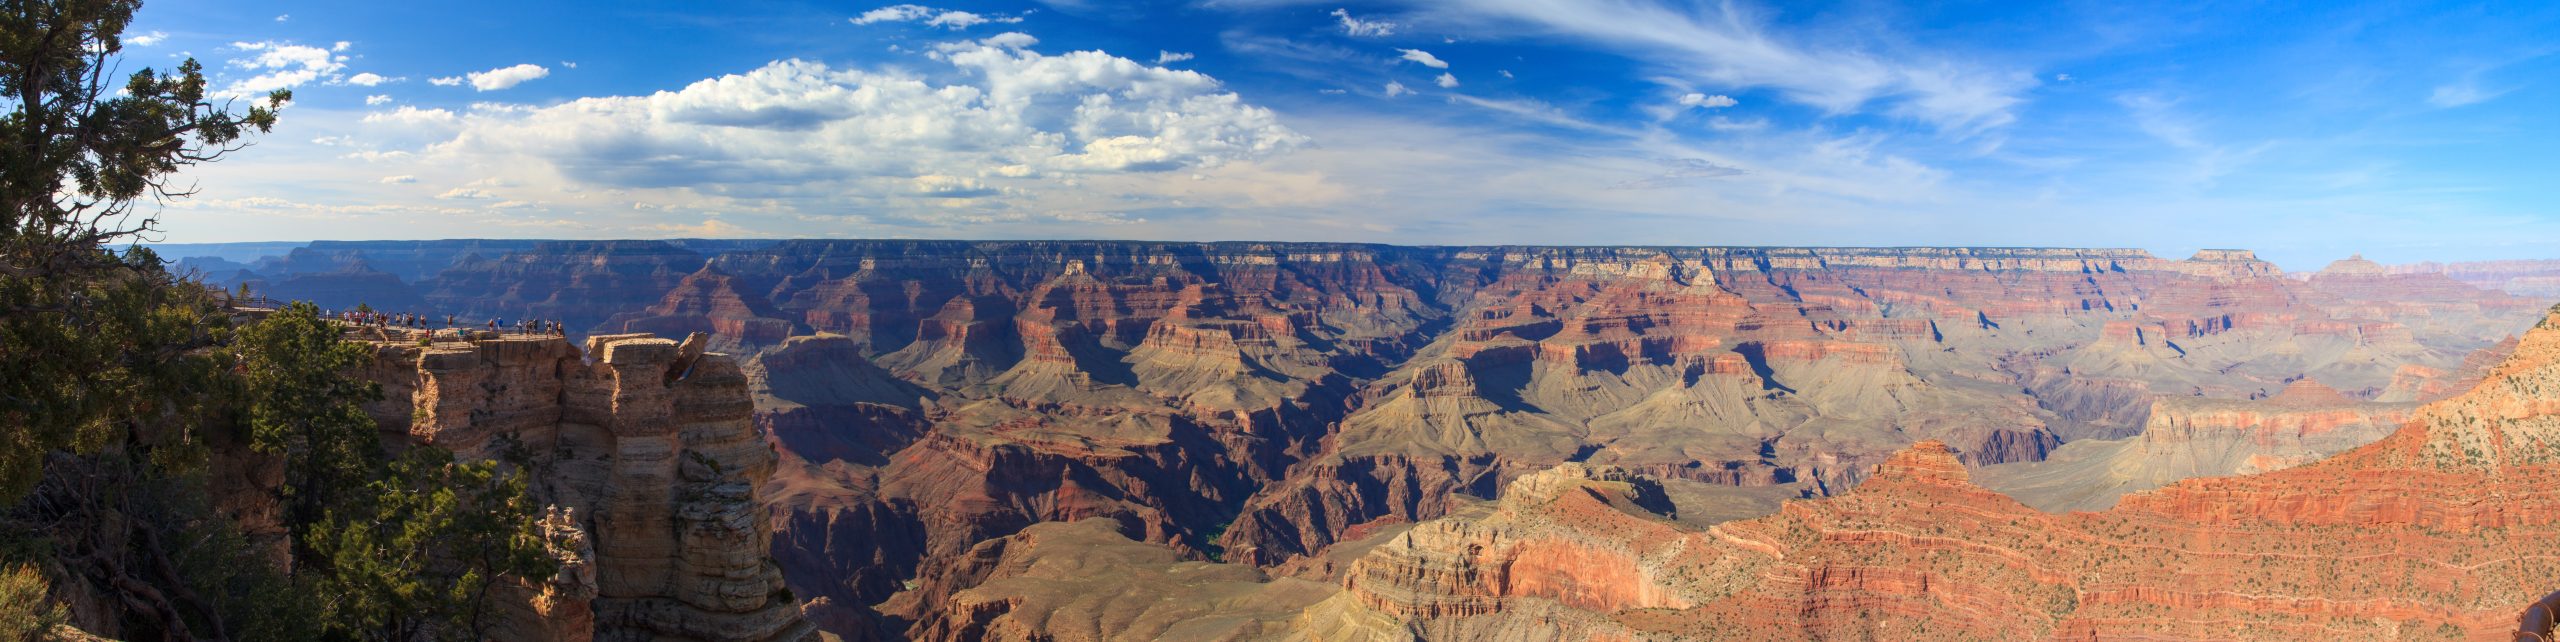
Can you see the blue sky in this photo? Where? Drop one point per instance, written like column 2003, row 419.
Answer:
column 2405, row 131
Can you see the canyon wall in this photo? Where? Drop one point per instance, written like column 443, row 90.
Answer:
column 2435, row 532
column 644, row 451
column 1285, row 405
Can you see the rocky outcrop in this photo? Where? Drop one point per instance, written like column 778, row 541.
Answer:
column 2191, row 437
column 710, row 302
column 646, row 454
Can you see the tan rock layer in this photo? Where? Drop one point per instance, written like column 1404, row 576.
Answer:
column 645, row 451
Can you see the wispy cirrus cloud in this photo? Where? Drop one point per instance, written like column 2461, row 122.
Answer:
column 1724, row 45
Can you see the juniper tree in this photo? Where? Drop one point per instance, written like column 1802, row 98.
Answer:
column 86, row 159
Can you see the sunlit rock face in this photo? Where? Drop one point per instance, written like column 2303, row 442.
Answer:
column 645, row 452
column 1287, row 405
column 2433, row 532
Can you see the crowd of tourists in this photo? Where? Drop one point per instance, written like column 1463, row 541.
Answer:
column 377, row 319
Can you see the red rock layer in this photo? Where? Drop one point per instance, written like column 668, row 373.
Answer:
column 2431, row 533
column 1304, row 392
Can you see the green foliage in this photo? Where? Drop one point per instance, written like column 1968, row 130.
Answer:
column 120, row 384
column 120, row 359
column 88, row 335
column 304, row 406
column 417, row 557
column 27, row 611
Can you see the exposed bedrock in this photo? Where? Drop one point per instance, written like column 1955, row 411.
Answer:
column 644, row 451
column 1284, row 404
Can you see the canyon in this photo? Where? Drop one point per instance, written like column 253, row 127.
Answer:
column 2434, row 532
column 996, row 439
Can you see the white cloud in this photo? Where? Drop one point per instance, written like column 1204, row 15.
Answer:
column 145, row 40
column 932, row 17
column 961, row 20
column 2062, row 77
column 402, row 179
column 802, row 125
column 941, row 186
column 466, row 194
column 893, row 13
column 504, row 77
column 1506, row 73
column 446, row 81
column 283, row 17
column 280, row 66
column 1425, row 58
column 376, row 99
column 1448, row 81
column 341, row 46
column 369, row 79
column 564, row 64
column 1721, row 45
column 2461, row 93
column 1705, row 101
column 1395, row 89
column 1363, row 28
column 1163, row 57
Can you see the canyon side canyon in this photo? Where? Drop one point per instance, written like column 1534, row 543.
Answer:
column 1086, row 440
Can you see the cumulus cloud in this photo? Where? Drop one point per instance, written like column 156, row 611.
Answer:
column 1704, row 101
column 893, row 13
column 466, row 193
column 806, row 127
column 1424, row 58
column 376, row 99
column 1448, row 81
column 503, row 77
column 1163, row 57
column 932, row 17
column 1363, row 28
column 402, row 179
column 145, row 40
column 1395, row 89
column 940, row 186
column 279, row 65
column 369, row 79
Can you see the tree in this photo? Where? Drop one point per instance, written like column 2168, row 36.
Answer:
column 416, row 556
column 304, row 406
column 79, row 161
column 77, row 158
column 119, row 381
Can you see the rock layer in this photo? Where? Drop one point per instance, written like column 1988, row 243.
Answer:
column 2435, row 532
column 1287, row 404
column 644, row 450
